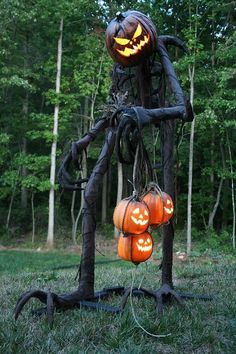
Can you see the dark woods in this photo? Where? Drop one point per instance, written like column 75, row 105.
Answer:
column 28, row 69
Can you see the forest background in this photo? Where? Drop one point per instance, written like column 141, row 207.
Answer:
column 30, row 34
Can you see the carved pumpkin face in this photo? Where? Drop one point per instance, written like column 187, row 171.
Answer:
column 134, row 45
column 135, row 248
column 130, row 38
column 168, row 206
column 140, row 217
column 131, row 216
column 160, row 206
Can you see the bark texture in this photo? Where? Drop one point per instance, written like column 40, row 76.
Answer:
column 86, row 276
column 167, row 139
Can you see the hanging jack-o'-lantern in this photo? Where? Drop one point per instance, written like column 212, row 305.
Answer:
column 160, row 205
column 131, row 216
column 130, row 38
column 135, row 248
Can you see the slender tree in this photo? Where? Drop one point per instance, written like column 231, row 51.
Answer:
column 50, row 237
column 232, row 190
column 194, row 30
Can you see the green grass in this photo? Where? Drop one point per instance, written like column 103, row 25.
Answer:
column 18, row 261
column 197, row 328
column 14, row 261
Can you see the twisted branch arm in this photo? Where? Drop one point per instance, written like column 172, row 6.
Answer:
column 182, row 108
column 75, row 154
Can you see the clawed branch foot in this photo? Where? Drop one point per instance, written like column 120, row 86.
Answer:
column 52, row 301
column 162, row 296
column 70, row 301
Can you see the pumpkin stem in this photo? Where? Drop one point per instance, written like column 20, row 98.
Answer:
column 119, row 16
column 135, row 195
column 153, row 186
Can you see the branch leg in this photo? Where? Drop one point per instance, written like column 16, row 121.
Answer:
column 86, row 275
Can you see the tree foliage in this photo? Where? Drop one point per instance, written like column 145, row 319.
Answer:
column 28, row 49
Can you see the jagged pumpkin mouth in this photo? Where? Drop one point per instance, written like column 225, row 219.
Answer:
column 140, row 218
column 144, row 246
column 169, row 209
column 133, row 46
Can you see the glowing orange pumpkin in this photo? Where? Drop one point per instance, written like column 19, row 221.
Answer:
column 130, row 38
column 160, row 205
column 135, row 248
column 131, row 216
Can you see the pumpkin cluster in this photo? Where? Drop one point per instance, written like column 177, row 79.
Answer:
column 133, row 216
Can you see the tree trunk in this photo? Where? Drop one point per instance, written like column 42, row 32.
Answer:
column 84, row 128
column 212, row 146
column 75, row 221
column 213, row 213
column 94, row 96
column 225, row 202
column 84, row 174
column 109, row 186
column 167, row 143
column 212, row 177
column 72, row 213
column 24, row 192
column 119, row 190
column 104, row 199
column 25, row 111
column 50, row 237
column 75, row 224
column 232, row 191
column 10, row 208
column 190, row 167
column 225, row 205
column 11, row 202
column 33, row 217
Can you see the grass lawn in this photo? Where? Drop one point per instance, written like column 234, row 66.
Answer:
column 198, row 327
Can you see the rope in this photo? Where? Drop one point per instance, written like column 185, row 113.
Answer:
column 134, row 315
column 142, row 168
column 135, row 169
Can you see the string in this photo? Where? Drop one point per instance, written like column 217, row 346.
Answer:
column 134, row 315
column 135, row 171
column 144, row 276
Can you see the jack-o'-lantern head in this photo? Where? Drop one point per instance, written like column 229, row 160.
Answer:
column 160, row 205
column 130, row 38
column 135, row 248
column 131, row 216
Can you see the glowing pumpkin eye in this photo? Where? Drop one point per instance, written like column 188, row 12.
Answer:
column 122, row 41
column 136, row 211
column 168, row 201
column 141, row 241
column 138, row 32
column 148, row 240
column 145, row 212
